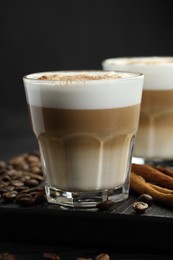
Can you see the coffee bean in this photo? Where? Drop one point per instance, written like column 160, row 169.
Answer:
column 17, row 183
column 23, row 196
column 50, row 256
column 146, row 198
column 37, row 177
column 37, row 189
column 10, row 188
column 140, row 207
column 19, row 162
column 5, row 178
column 13, row 173
column 6, row 256
column 21, row 189
column 27, row 201
column 3, row 190
column 31, row 183
column 102, row 257
column 35, row 169
column 2, row 171
column 39, row 196
column 9, row 196
column 32, row 158
column 2, row 165
column 23, row 175
column 26, row 161
column 105, row 204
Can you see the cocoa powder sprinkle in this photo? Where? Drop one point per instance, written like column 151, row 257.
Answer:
column 80, row 77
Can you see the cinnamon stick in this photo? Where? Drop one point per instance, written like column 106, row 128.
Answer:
column 161, row 189
column 139, row 185
column 153, row 175
column 165, row 170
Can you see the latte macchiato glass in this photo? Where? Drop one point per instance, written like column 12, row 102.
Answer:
column 154, row 139
column 85, row 123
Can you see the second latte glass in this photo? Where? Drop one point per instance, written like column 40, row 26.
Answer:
column 85, row 123
column 154, row 140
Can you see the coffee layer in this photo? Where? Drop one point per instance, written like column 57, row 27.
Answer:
column 87, row 149
column 62, row 121
column 155, row 133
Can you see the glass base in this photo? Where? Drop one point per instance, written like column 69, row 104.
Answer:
column 153, row 161
column 84, row 199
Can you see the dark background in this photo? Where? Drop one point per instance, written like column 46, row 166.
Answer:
column 44, row 35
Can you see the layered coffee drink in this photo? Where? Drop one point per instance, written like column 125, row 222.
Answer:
column 154, row 139
column 155, row 135
column 85, row 123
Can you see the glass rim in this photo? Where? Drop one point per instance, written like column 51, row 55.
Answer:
column 33, row 77
column 125, row 61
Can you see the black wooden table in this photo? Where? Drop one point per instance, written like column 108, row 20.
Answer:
column 118, row 231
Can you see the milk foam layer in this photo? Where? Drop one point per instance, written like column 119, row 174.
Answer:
column 104, row 90
column 157, row 70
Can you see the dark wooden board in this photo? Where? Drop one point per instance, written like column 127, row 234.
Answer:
column 117, row 228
